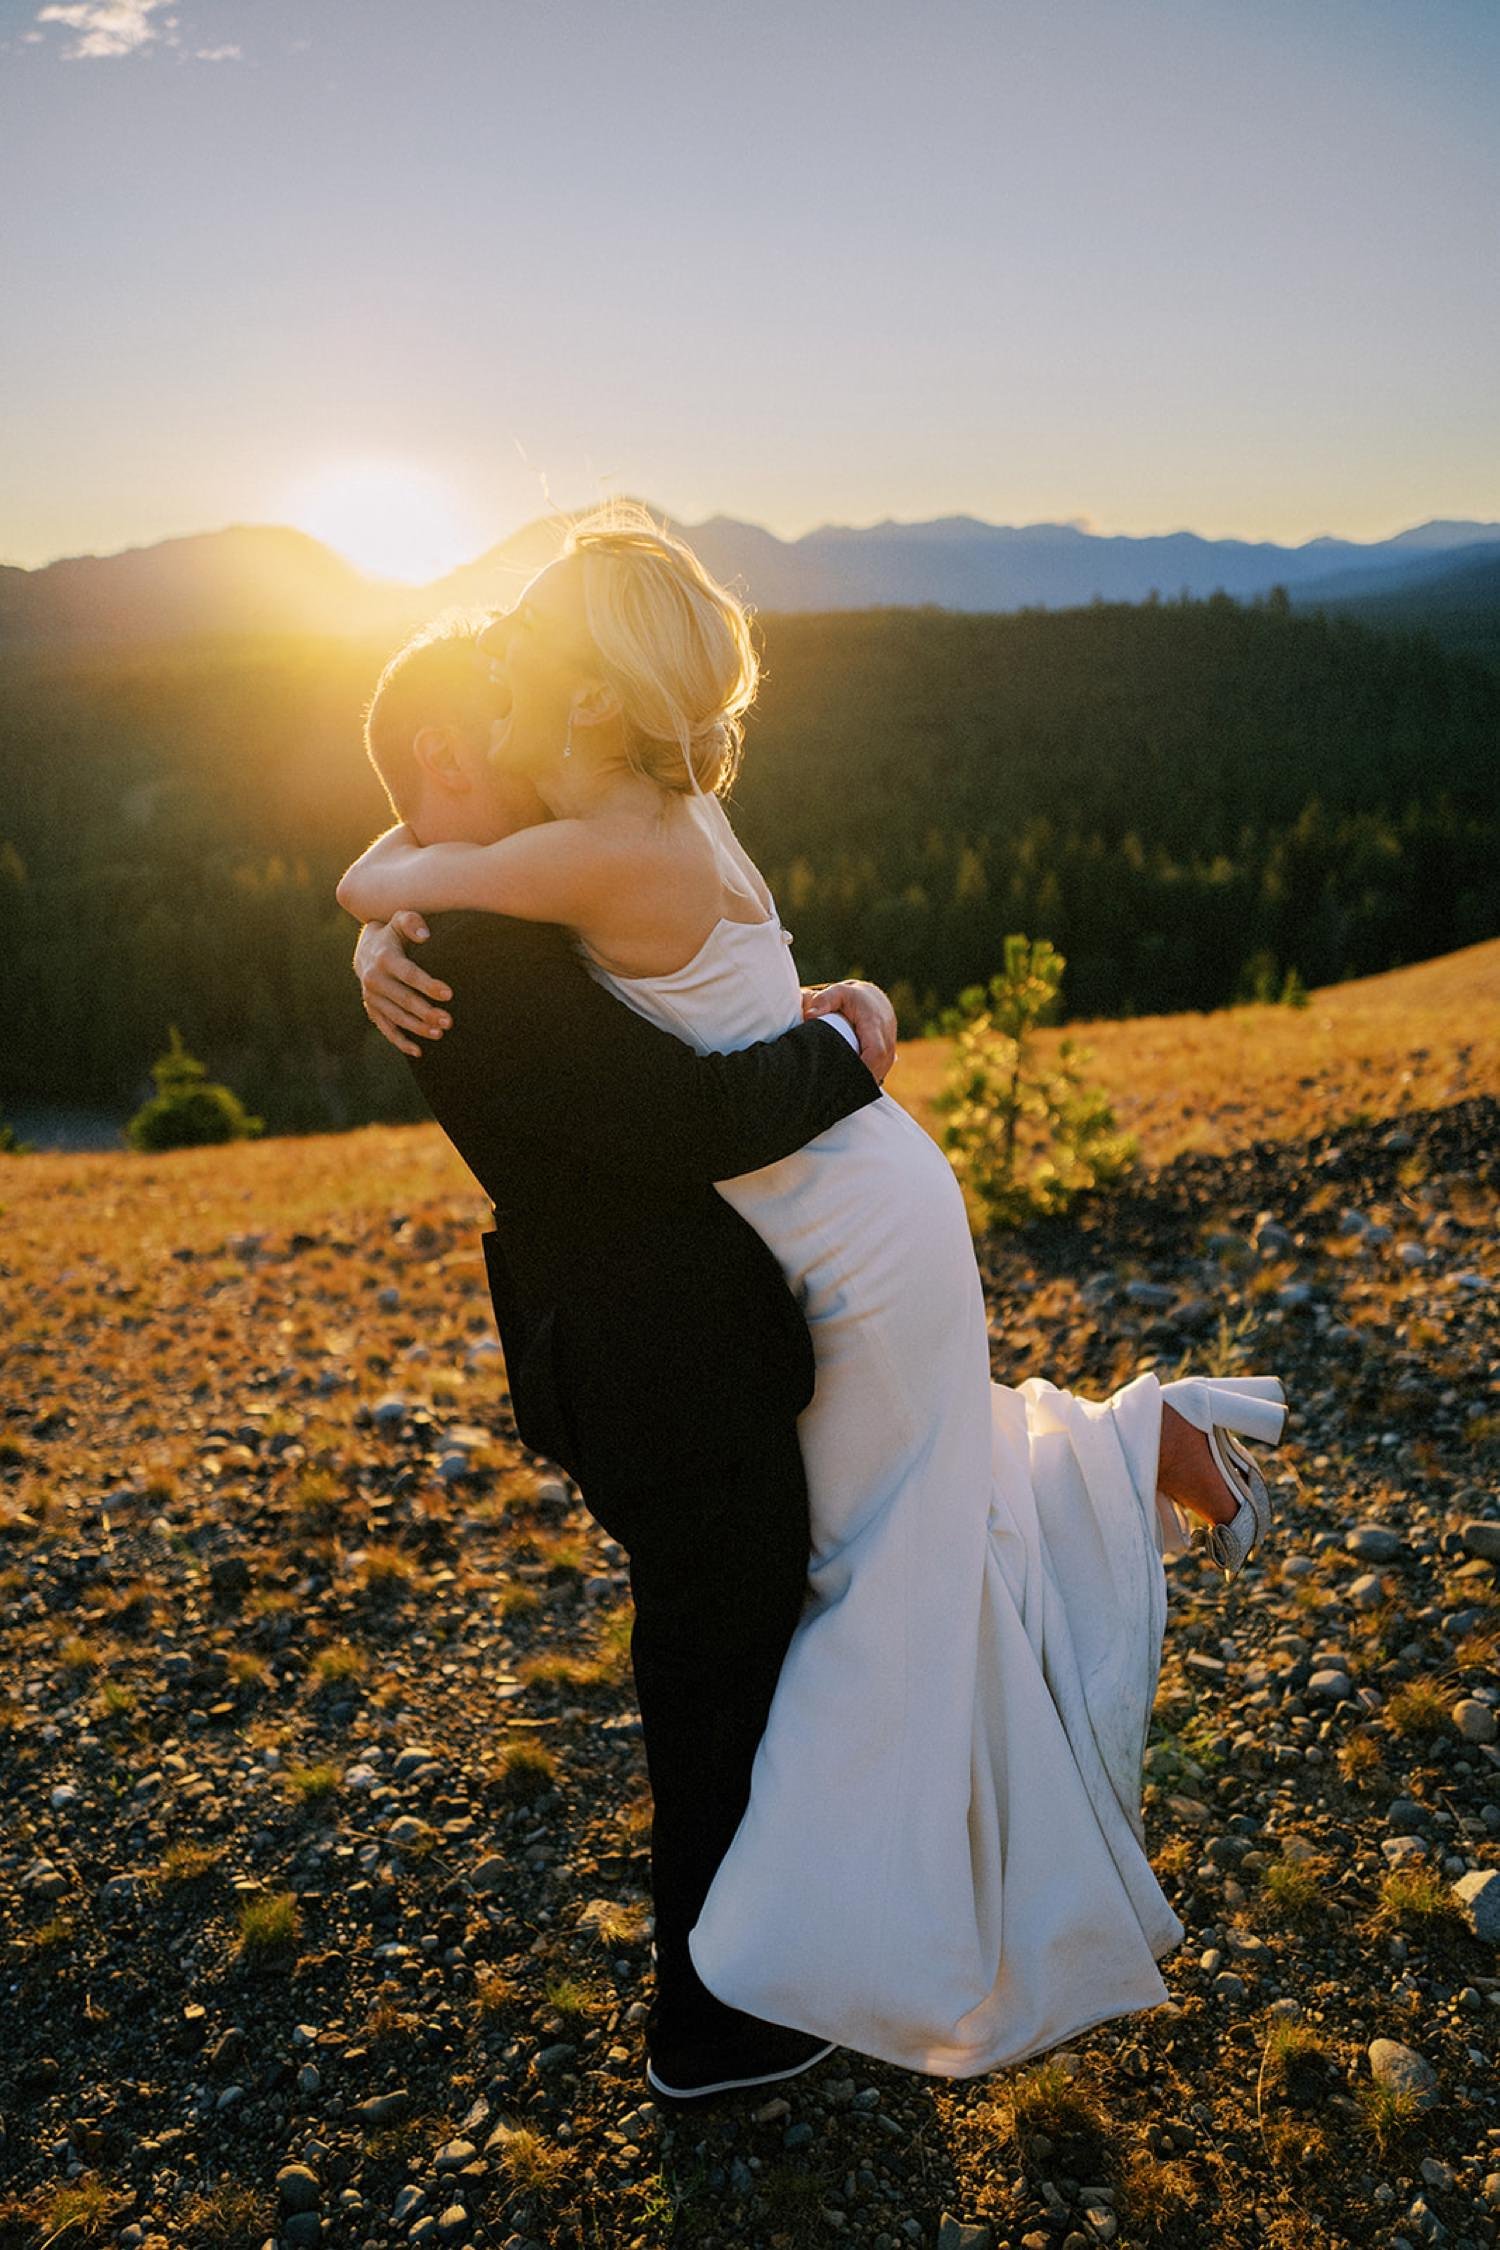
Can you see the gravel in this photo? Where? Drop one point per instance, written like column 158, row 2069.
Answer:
column 269, row 1659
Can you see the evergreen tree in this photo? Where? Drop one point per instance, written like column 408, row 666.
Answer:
column 188, row 1110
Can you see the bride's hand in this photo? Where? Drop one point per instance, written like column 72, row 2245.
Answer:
column 395, row 990
column 866, row 1007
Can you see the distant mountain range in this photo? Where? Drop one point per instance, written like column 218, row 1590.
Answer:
column 261, row 579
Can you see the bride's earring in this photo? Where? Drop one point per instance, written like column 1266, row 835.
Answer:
column 568, row 745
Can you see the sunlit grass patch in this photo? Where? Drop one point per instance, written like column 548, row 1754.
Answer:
column 338, row 1664
column 312, row 1786
column 615, row 1630
column 1388, row 2115
column 1418, row 1707
column 524, row 1770
column 617, row 1927
column 243, row 1668
column 1416, row 1899
column 187, row 1862
column 386, row 1573
column 1158, row 2195
column 1295, row 1890
column 1296, row 2059
column 1051, row 2100
column 1293, row 2140
column 527, row 2160
column 1359, row 1761
column 117, row 1701
column 553, row 1669
column 268, row 1928
column 131, row 1608
column 69, row 2213
column 1479, row 1650
column 633, row 1820
column 1177, row 1857
column 228, row 2216
column 571, row 1999
column 566, row 1560
column 318, row 1498
column 387, row 2023
column 53, row 1935
column 519, row 1601
column 495, row 1995
column 271, row 1602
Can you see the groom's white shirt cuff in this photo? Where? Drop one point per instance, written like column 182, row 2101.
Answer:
column 842, row 1023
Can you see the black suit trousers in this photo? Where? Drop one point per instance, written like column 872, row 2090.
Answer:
column 718, row 1542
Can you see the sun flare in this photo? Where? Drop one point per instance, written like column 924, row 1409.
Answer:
column 389, row 518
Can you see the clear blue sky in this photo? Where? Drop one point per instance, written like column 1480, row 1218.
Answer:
column 1223, row 264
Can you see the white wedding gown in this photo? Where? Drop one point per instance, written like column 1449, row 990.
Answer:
column 941, row 1863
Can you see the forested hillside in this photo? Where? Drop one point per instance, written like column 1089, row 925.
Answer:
column 1189, row 798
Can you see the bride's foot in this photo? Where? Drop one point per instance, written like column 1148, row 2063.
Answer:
column 1188, row 1473
column 1201, row 1416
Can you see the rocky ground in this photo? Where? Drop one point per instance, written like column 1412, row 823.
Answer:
column 324, row 1869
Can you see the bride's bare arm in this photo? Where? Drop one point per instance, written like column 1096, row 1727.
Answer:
column 554, row 872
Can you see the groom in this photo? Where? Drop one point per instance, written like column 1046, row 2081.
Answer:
column 652, row 1345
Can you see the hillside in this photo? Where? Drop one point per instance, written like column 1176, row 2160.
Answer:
column 1421, row 1037
column 325, row 1790
column 1190, row 800
column 1454, row 597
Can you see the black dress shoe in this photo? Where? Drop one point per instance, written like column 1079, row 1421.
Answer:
column 689, row 2071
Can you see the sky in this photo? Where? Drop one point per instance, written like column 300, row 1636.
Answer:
column 408, row 272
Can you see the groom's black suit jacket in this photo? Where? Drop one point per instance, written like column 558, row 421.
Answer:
column 643, row 1320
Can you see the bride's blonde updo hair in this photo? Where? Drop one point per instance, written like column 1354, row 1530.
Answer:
column 673, row 643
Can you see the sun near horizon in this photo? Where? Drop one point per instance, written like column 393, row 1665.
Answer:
column 390, row 518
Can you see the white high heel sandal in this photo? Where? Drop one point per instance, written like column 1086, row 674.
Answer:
column 1255, row 1406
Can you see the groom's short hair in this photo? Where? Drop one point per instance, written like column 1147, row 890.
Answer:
column 438, row 679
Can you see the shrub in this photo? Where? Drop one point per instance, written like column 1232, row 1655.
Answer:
column 11, row 1143
column 188, row 1110
column 1006, row 1110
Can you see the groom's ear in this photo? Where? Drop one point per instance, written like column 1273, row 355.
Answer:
column 435, row 754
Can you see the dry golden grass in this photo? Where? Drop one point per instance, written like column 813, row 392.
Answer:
column 188, row 1862
column 1414, row 1037
column 1416, row 1900
column 1418, row 1038
column 82, row 2211
column 524, row 1770
column 268, row 1926
column 1418, row 1707
column 527, row 2160
column 1295, row 1890
column 229, row 2216
column 495, row 1995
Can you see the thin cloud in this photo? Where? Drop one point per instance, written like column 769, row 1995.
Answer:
column 110, row 27
column 219, row 54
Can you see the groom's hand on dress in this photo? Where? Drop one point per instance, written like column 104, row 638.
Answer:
column 398, row 996
column 866, row 1007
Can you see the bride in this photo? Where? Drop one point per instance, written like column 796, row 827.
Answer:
column 942, row 1863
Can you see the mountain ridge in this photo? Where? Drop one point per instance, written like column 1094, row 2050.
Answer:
column 267, row 578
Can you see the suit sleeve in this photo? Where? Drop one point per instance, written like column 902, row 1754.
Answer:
column 556, row 1064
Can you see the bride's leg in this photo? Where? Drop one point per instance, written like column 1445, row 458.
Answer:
column 1187, row 1472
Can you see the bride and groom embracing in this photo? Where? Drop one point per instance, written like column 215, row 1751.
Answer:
column 897, row 1627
